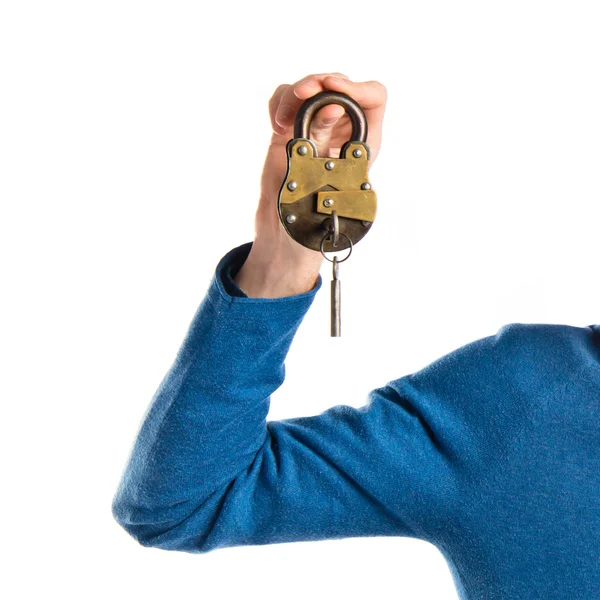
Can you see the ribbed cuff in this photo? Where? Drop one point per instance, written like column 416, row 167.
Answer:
column 229, row 266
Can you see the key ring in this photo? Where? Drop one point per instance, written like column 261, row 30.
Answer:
column 335, row 232
column 328, row 234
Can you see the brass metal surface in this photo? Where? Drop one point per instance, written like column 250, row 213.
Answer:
column 312, row 182
column 356, row 204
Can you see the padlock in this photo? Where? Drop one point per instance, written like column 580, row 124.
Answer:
column 314, row 187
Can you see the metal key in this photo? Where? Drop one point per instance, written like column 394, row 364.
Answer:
column 328, row 197
column 336, row 285
column 336, row 300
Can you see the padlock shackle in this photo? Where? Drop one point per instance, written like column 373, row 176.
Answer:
column 311, row 106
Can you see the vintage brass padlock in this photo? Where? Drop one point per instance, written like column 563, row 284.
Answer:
column 327, row 203
column 316, row 187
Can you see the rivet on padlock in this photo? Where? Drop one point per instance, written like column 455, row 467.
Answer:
column 326, row 204
column 314, row 186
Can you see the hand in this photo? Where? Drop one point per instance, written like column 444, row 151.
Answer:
column 278, row 265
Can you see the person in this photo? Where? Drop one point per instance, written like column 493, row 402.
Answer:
column 491, row 452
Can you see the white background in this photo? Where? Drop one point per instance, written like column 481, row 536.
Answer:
column 132, row 137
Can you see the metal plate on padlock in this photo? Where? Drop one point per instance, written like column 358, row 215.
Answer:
column 314, row 187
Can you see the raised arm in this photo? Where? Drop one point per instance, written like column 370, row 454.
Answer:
column 208, row 470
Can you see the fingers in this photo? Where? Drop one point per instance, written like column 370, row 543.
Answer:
column 274, row 105
column 313, row 84
column 285, row 101
column 369, row 94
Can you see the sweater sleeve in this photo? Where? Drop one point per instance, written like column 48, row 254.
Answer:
column 208, row 471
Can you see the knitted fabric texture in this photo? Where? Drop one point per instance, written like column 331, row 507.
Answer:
column 491, row 452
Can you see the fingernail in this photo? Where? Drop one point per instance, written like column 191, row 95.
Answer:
column 283, row 113
column 330, row 121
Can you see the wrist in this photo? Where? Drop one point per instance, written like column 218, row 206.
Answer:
column 273, row 277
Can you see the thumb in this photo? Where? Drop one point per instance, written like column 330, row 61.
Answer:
column 322, row 127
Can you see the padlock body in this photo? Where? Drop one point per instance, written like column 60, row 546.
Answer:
column 314, row 187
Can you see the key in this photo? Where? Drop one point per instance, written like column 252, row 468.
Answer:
column 336, row 299
column 336, row 285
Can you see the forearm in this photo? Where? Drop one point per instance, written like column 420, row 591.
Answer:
column 207, row 420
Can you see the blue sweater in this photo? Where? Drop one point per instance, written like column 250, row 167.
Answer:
column 491, row 453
